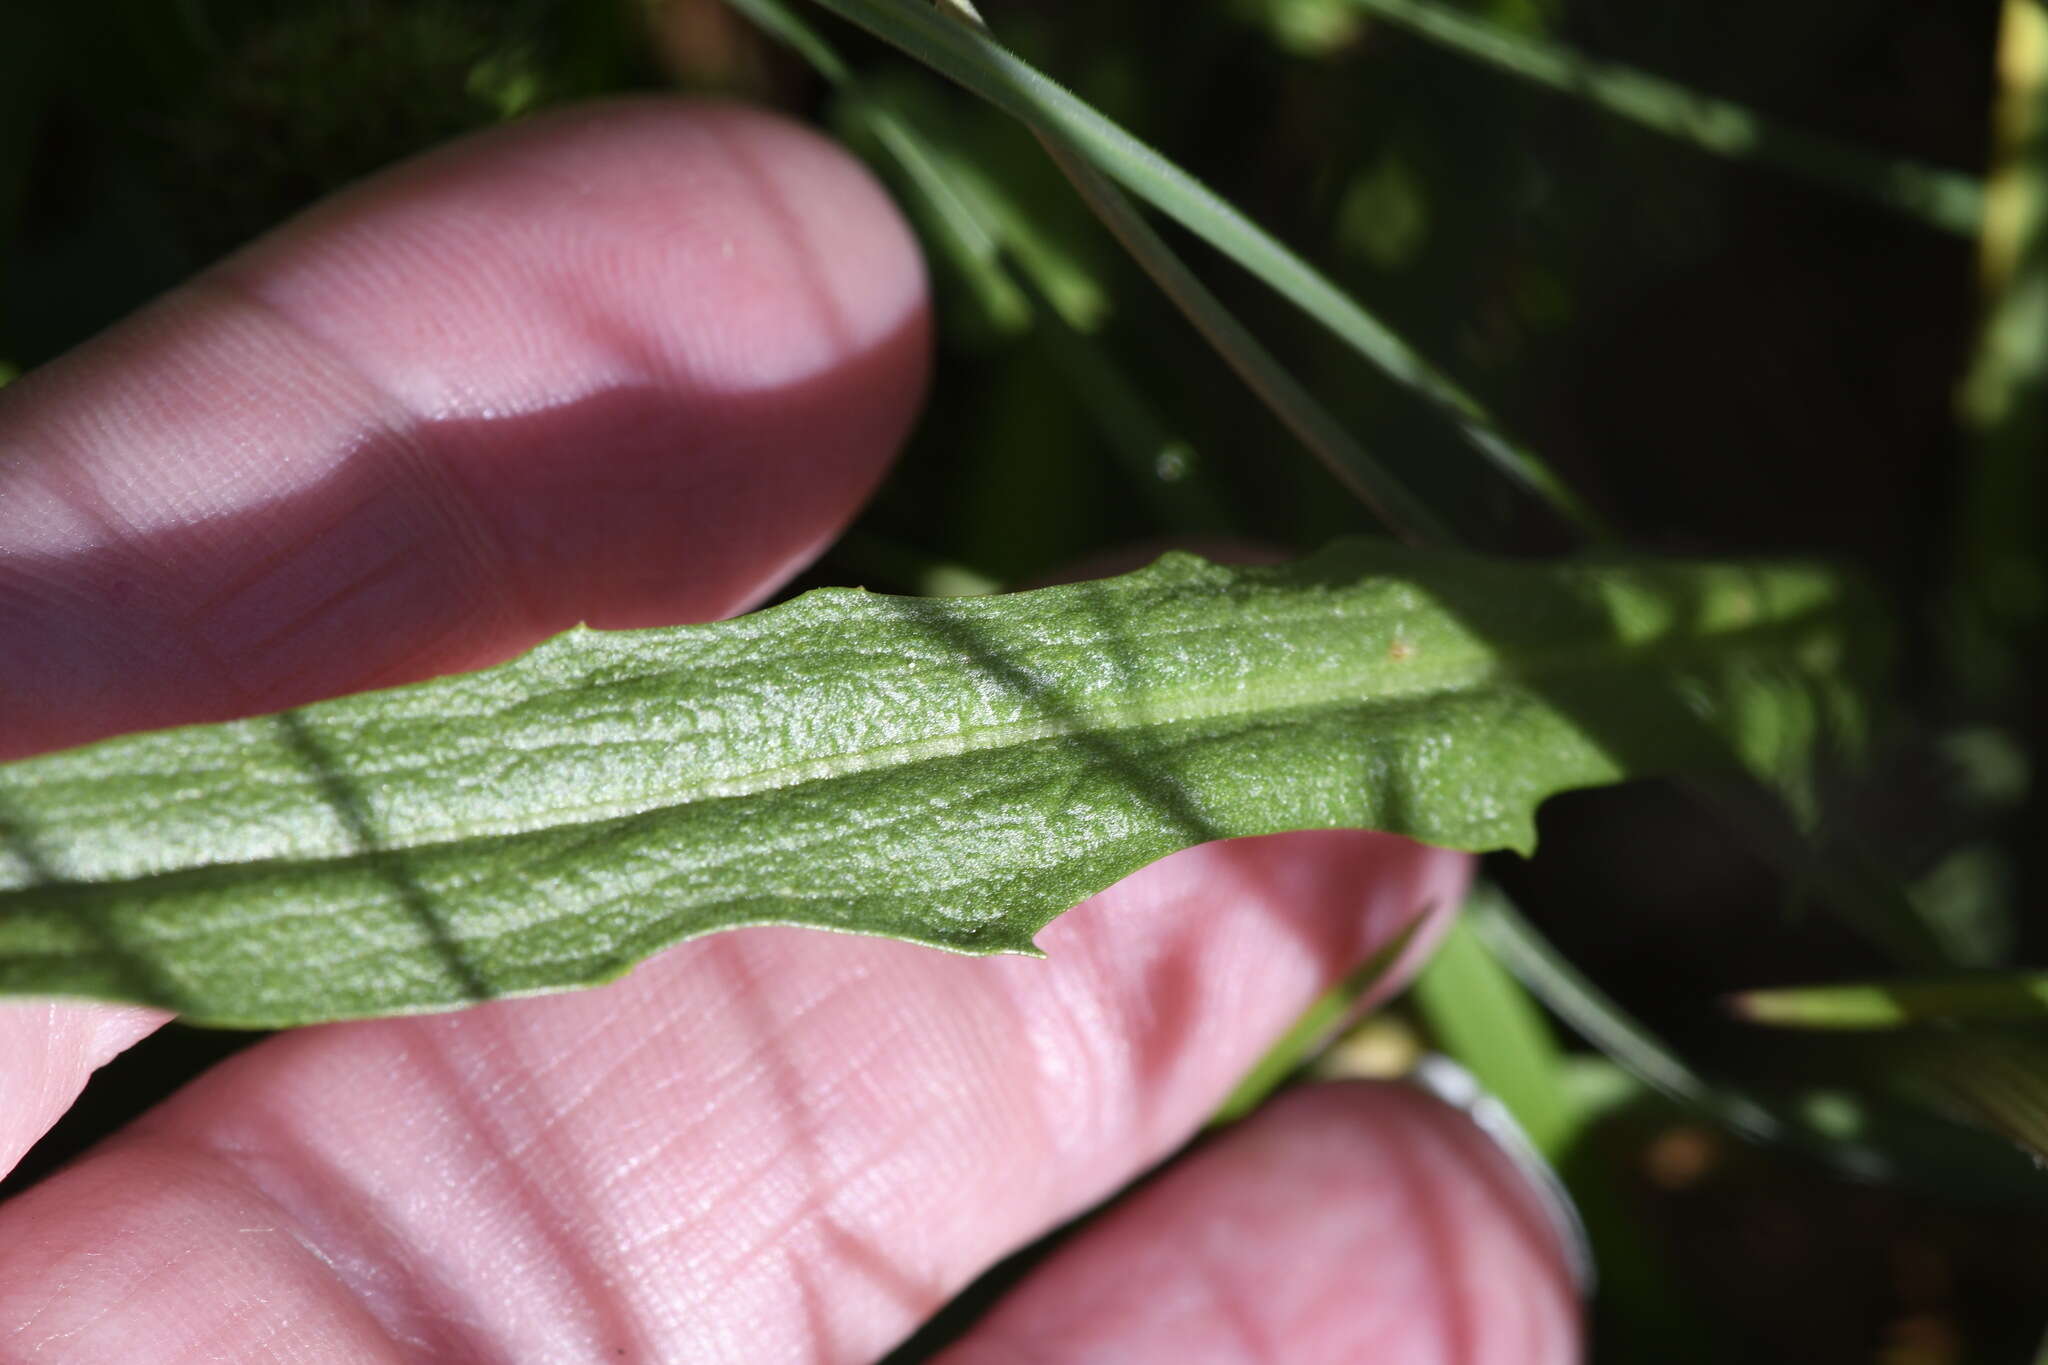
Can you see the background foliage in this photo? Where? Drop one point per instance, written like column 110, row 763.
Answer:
column 1723, row 357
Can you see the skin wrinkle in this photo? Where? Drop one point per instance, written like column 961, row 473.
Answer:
column 295, row 626
column 1107, row 1046
column 246, row 1328
column 249, row 1164
column 917, row 1255
column 256, row 572
column 681, row 1132
column 359, row 261
column 208, row 337
column 217, row 1173
column 406, row 447
column 797, row 247
column 692, row 1128
column 154, row 1272
column 1454, row 1342
column 548, row 1212
column 749, row 1063
column 529, row 1079
column 839, row 1186
column 77, row 492
column 549, row 1134
column 783, row 1076
column 1534, row 1231
column 1474, row 1325
column 376, row 1260
column 674, row 356
column 1069, row 1047
column 1225, row 1302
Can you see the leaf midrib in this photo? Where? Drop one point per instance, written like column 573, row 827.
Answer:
column 1467, row 670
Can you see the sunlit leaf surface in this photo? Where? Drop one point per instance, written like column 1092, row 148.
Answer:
column 953, row 772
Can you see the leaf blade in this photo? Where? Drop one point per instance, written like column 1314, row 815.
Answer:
column 953, row 772
column 1987, row 996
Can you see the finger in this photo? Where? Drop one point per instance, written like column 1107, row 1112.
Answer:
column 47, row 1049
column 1343, row 1223
column 626, row 364
column 769, row 1144
column 263, row 1296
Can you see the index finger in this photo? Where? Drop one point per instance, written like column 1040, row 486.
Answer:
column 627, row 364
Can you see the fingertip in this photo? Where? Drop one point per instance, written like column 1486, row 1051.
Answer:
column 49, row 1050
column 627, row 364
column 1341, row 1223
column 665, row 346
column 713, row 247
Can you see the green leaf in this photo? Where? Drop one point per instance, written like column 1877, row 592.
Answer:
column 1481, row 1015
column 2001, row 533
column 1517, row 944
column 984, row 231
column 1896, row 1004
column 1093, row 150
column 954, row 772
column 1298, row 410
column 1945, row 199
column 976, row 227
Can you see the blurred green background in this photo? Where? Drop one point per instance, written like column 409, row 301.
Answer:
column 1724, row 357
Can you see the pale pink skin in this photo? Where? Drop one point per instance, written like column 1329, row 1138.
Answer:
column 635, row 364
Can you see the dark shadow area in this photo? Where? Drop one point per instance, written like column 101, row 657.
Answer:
column 126, row 1087
column 329, row 772
column 1159, row 792
column 1173, row 807
column 1706, row 123
column 136, row 975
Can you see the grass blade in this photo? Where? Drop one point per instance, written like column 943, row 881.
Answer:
column 2015, row 996
column 982, row 230
column 1944, row 199
column 1298, row 410
column 1483, row 1017
column 1312, row 424
column 976, row 61
column 1608, row 1027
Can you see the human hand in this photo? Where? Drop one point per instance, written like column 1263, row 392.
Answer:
column 634, row 364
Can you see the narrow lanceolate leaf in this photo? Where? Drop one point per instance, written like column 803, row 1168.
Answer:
column 2006, row 996
column 1946, row 199
column 953, row 772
